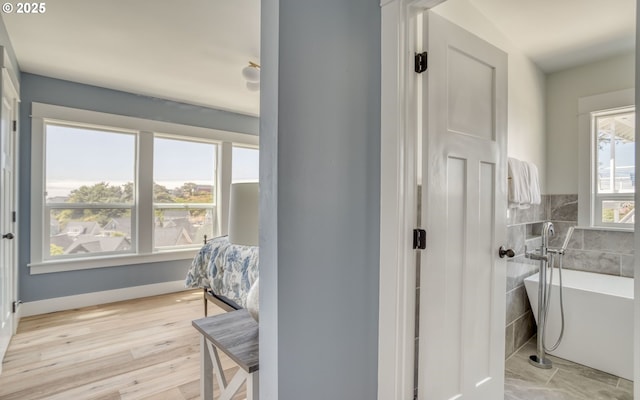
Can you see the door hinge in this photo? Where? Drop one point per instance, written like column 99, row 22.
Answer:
column 421, row 62
column 419, row 239
column 15, row 305
column 13, row 216
column 15, row 125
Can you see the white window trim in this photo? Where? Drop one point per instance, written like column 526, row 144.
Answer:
column 41, row 113
column 586, row 154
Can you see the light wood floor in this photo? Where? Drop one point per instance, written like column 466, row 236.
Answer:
column 137, row 349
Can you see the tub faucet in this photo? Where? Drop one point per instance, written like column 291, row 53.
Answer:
column 547, row 231
column 539, row 359
column 547, row 261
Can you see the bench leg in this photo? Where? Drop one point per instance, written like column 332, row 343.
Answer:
column 217, row 366
column 236, row 383
column 206, row 371
column 210, row 365
column 204, row 297
column 252, row 386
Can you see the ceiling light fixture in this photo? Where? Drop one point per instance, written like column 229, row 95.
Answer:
column 251, row 73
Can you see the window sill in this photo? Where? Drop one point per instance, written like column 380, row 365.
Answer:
column 604, row 228
column 77, row 264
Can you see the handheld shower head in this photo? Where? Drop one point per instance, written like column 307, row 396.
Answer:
column 567, row 238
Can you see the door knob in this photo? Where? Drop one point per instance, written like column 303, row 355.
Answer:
column 8, row 236
column 505, row 252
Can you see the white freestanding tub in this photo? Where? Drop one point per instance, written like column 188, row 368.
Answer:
column 598, row 312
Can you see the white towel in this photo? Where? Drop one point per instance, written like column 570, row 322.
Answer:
column 534, row 183
column 519, row 193
column 524, row 185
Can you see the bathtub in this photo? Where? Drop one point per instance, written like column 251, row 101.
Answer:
column 598, row 311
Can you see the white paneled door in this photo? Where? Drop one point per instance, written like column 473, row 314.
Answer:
column 462, row 282
column 8, row 248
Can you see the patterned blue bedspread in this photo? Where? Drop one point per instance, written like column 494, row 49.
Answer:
column 228, row 269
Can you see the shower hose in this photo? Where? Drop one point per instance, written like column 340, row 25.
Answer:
column 547, row 301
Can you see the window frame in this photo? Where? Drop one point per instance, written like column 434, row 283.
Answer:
column 589, row 200
column 142, row 215
column 48, row 206
column 599, row 198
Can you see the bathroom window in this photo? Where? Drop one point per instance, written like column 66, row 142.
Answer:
column 614, row 167
column 607, row 160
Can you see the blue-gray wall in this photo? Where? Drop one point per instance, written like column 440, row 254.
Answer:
column 35, row 88
column 269, row 35
column 320, row 115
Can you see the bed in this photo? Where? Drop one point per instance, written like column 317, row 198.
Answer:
column 225, row 272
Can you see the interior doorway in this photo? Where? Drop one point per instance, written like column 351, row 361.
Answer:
column 8, row 212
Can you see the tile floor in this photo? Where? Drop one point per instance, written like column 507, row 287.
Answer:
column 564, row 381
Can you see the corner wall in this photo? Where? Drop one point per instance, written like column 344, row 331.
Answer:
column 320, row 119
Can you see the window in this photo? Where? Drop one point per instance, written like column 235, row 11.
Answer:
column 607, row 160
column 111, row 190
column 89, row 176
column 614, row 169
column 184, row 187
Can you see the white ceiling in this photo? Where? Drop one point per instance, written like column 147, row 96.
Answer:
column 558, row 34
column 193, row 51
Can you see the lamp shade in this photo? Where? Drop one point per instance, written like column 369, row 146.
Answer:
column 243, row 213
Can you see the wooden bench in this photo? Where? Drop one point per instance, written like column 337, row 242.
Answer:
column 236, row 334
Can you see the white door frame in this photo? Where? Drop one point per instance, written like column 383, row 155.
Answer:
column 10, row 77
column 398, row 201
column 14, row 89
column 9, row 86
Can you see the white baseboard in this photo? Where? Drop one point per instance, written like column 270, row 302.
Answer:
column 95, row 298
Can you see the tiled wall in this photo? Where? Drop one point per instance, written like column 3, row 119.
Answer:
column 522, row 232
column 600, row 251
